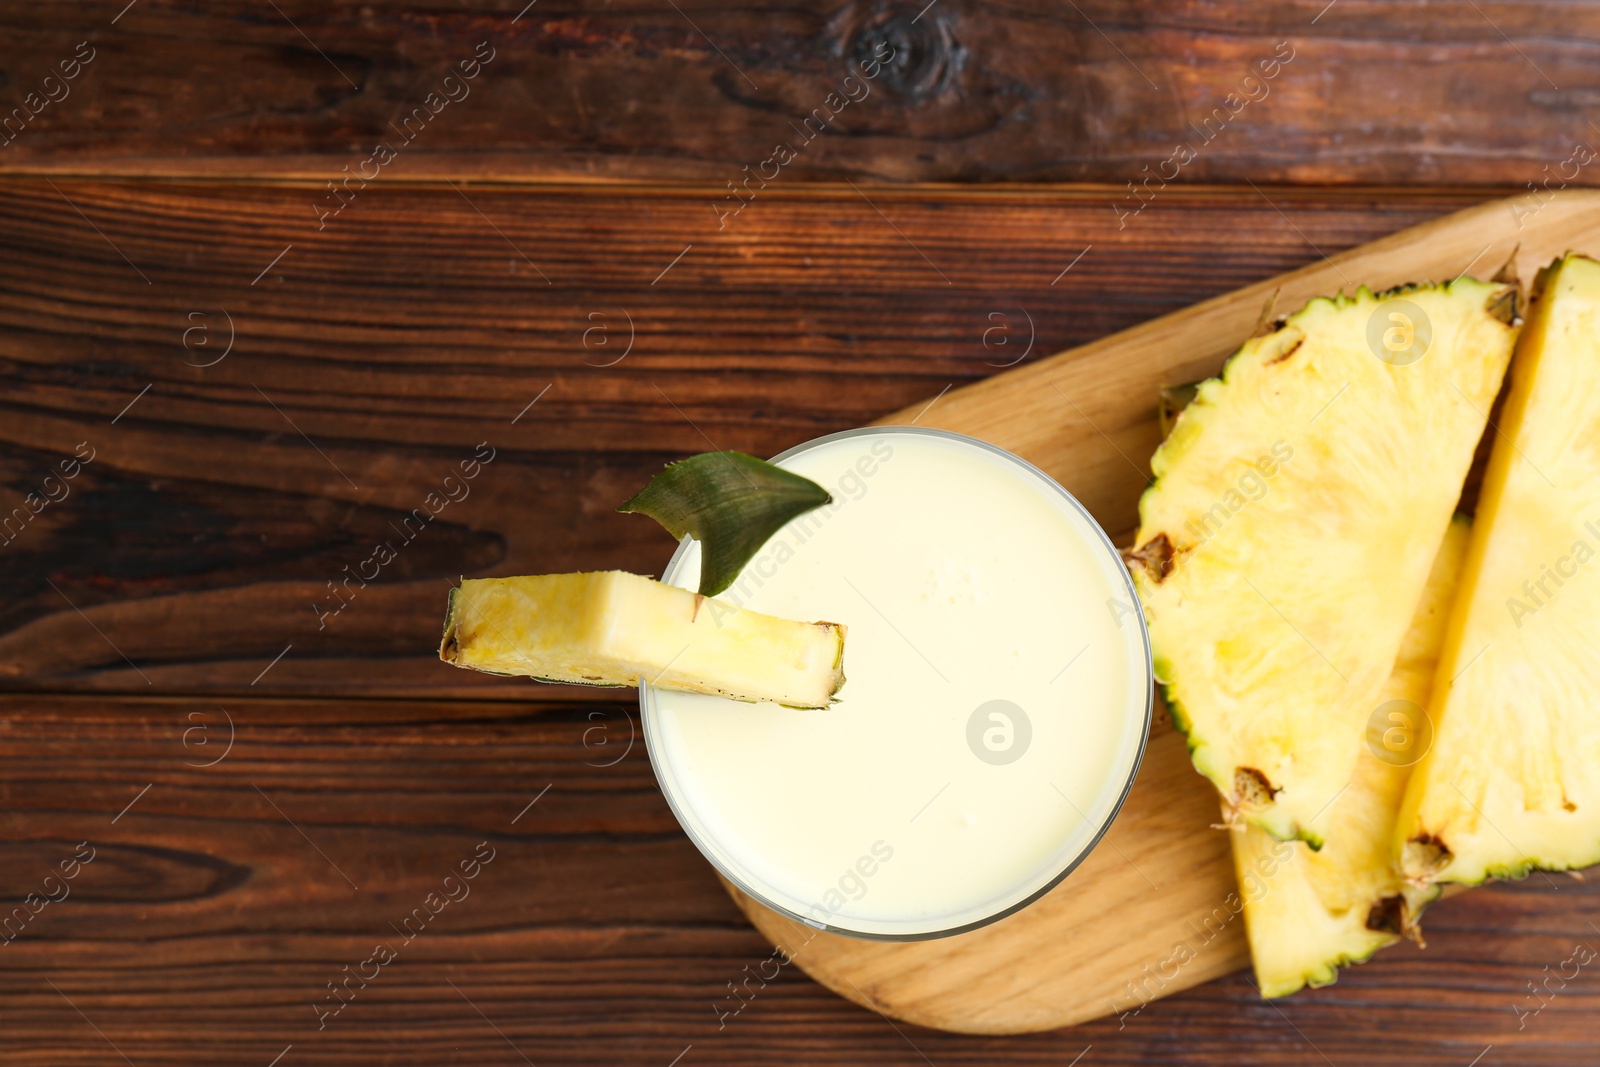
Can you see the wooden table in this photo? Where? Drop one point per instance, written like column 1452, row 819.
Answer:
column 545, row 276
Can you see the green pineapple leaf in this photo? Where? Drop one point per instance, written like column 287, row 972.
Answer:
column 729, row 502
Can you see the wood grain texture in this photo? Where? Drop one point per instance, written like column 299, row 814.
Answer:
column 372, row 357
column 1082, row 416
column 1460, row 92
column 207, row 925
column 398, row 338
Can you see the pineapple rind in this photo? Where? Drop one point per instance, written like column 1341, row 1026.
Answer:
column 1250, row 688
column 1307, row 914
column 611, row 628
column 1513, row 781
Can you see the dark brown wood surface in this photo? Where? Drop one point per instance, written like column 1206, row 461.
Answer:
column 271, row 375
column 375, row 356
column 222, row 902
column 1462, row 91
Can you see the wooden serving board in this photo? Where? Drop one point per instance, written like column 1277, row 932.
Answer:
column 1147, row 914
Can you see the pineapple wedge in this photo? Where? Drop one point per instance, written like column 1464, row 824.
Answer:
column 1309, row 913
column 1513, row 780
column 616, row 628
column 1296, row 512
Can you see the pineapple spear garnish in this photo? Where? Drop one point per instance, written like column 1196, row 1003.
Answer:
column 613, row 628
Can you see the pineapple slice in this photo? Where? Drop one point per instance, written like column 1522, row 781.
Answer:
column 1296, row 511
column 1513, row 780
column 1309, row 913
column 616, row 628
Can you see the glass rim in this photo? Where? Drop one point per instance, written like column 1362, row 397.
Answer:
column 646, row 694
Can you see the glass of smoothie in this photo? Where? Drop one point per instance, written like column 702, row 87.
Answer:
column 996, row 707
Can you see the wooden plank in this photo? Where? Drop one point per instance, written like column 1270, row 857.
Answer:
column 1117, row 945
column 207, row 926
column 386, row 347
column 1458, row 92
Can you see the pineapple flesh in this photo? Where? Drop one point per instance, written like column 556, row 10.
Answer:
column 1512, row 782
column 615, row 628
column 1307, row 913
column 1296, row 511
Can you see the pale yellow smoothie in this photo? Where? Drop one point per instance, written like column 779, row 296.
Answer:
column 996, row 705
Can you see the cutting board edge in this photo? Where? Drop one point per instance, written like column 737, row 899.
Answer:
column 1223, row 303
